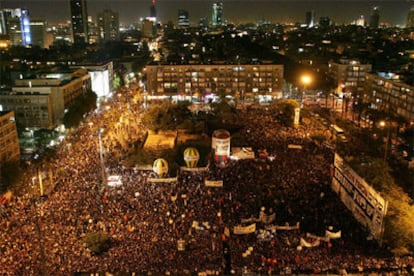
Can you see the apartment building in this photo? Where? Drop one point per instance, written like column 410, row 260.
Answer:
column 9, row 141
column 386, row 92
column 241, row 81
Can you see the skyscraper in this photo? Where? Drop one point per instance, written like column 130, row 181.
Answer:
column 324, row 22
column 108, row 25
column 410, row 18
column 310, row 19
column 16, row 23
column 153, row 11
column 38, row 31
column 217, row 14
column 79, row 17
column 375, row 18
column 183, row 19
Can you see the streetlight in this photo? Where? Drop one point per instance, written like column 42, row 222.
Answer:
column 305, row 80
column 101, row 156
column 386, row 124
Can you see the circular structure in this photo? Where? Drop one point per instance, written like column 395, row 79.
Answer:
column 191, row 157
column 220, row 145
column 160, row 167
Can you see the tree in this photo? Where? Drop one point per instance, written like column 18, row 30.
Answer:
column 286, row 111
column 82, row 105
column 166, row 116
column 399, row 222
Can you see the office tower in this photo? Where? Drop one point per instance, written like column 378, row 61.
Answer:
column 217, row 14
column 148, row 28
column 203, row 23
column 183, row 19
column 410, row 18
column 153, row 11
column 374, row 19
column 38, row 32
column 310, row 19
column 108, row 25
column 3, row 25
column 93, row 31
column 16, row 23
column 79, row 17
column 324, row 22
column 360, row 21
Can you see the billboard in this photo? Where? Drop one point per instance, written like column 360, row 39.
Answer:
column 368, row 207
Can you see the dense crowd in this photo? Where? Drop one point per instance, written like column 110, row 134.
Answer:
column 147, row 220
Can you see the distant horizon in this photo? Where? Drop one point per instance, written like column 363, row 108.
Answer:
column 392, row 12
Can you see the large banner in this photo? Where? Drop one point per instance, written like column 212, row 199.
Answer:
column 367, row 206
column 243, row 230
column 198, row 169
column 162, row 180
column 213, row 183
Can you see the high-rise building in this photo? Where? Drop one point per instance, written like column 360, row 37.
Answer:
column 203, row 23
column 310, row 19
column 108, row 25
column 217, row 14
column 410, row 18
column 183, row 19
column 148, row 28
column 324, row 21
column 16, row 24
column 38, row 31
column 79, row 18
column 153, row 10
column 93, row 31
column 375, row 18
column 360, row 21
column 3, row 23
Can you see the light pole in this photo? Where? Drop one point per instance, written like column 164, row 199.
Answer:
column 386, row 124
column 101, row 156
column 305, row 80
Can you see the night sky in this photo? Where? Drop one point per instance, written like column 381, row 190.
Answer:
column 237, row 11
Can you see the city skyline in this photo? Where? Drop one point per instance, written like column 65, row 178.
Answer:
column 235, row 11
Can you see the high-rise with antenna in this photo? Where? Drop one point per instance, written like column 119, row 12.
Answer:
column 153, row 11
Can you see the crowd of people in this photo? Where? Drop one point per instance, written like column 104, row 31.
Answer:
column 180, row 226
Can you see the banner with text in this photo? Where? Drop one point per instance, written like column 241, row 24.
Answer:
column 367, row 206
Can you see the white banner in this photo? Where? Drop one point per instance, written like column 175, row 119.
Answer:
column 293, row 146
column 283, row 227
column 367, row 206
column 213, row 183
column 198, row 169
column 333, row 235
column 242, row 230
column 162, row 180
column 315, row 243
